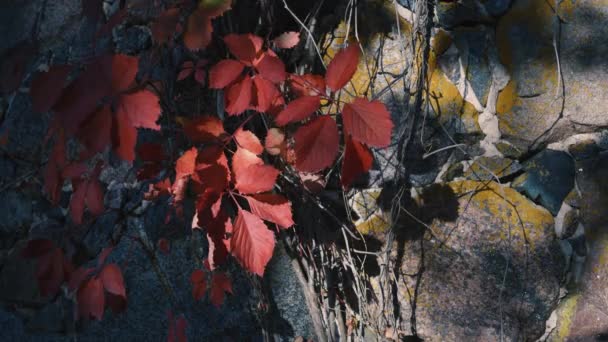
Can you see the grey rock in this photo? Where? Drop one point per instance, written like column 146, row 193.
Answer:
column 548, row 179
column 584, row 149
column 485, row 168
column 508, row 149
column 15, row 210
column 133, row 40
column 99, row 235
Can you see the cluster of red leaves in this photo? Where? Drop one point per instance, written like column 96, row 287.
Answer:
column 102, row 107
column 252, row 81
column 220, row 284
column 94, row 287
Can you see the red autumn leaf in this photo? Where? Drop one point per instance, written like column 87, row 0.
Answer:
column 78, row 277
column 271, row 68
column 47, row 87
column 357, row 161
column 91, row 299
column 124, row 69
column 307, row 84
column 277, row 105
column 244, row 47
column 163, row 246
column 220, row 284
column 252, row 243
column 248, row 140
column 198, row 30
column 82, row 97
column 298, row 110
column 94, row 199
column 213, row 177
column 316, row 144
column 77, row 200
column 141, row 108
column 368, row 122
column 50, row 272
column 95, row 133
column 273, row 208
column 204, row 129
column 177, row 329
column 224, row 73
column 263, row 94
column 250, row 173
column 124, row 138
column 218, row 250
column 185, row 165
column 74, row 170
column 36, row 248
column 52, row 174
column 274, row 142
column 342, row 68
column 112, row 279
column 238, row 96
column 199, row 284
column 164, row 26
column 151, row 152
column 287, row 40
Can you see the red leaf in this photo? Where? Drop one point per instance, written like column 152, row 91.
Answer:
column 307, row 84
column 248, row 140
column 252, row 243
column 91, row 299
column 184, row 166
column 180, row 328
column 50, row 272
column 78, row 276
column 287, row 40
column 163, row 246
column 95, row 133
column 298, row 110
column 224, row 73
column 213, row 177
column 94, row 199
column 238, row 96
column 47, row 87
column 271, row 68
column 77, row 200
column 37, row 247
column 263, row 94
column 74, row 170
column 244, row 47
column 151, row 152
column 316, row 144
column 111, row 276
column 199, row 284
column 164, row 26
column 273, row 208
column 220, row 283
column 124, row 69
column 198, row 31
column 141, row 108
column 342, row 68
column 275, row 141
column 368, row 122
column 250, row 173
column 204, row 129
column 124, row 138
column 357, row 161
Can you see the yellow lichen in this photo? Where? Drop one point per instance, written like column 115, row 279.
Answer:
column 565, row 313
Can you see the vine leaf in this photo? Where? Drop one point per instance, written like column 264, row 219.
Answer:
column 245, row 47
column 238, row 96
column 275, row 141
column 271, row 68
column 342, row 68
column 204, row 129
column 368, row 122
column 141, row 109
column 198, row 280
column 316, row 144
column 252, row 243
column 224, row 73
column 272, row 207
column 91, row 299
column 250, row 173
column 307, row 84
column 47, row 87
column 164, row 26
column 220, row 284
column 287, row 40
column 357, row 161
column 264, row 92
column 112, row 280
column 185, row 165
column 248, row 141
column 298, row 110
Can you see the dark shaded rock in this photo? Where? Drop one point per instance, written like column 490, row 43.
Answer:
column 99, row 235
column 454, row 170
column 133, row 40
column 7, row 169
column 17, row 279
column 548, row 179
column 584, row 150
column 15, row 210
column 451, row 14
column 116, row 196
column 485, row 168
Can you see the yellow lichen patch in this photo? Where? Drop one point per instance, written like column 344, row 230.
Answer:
column 372, row 219
column 507, row 206
column 565, row 315
column 447, row 102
